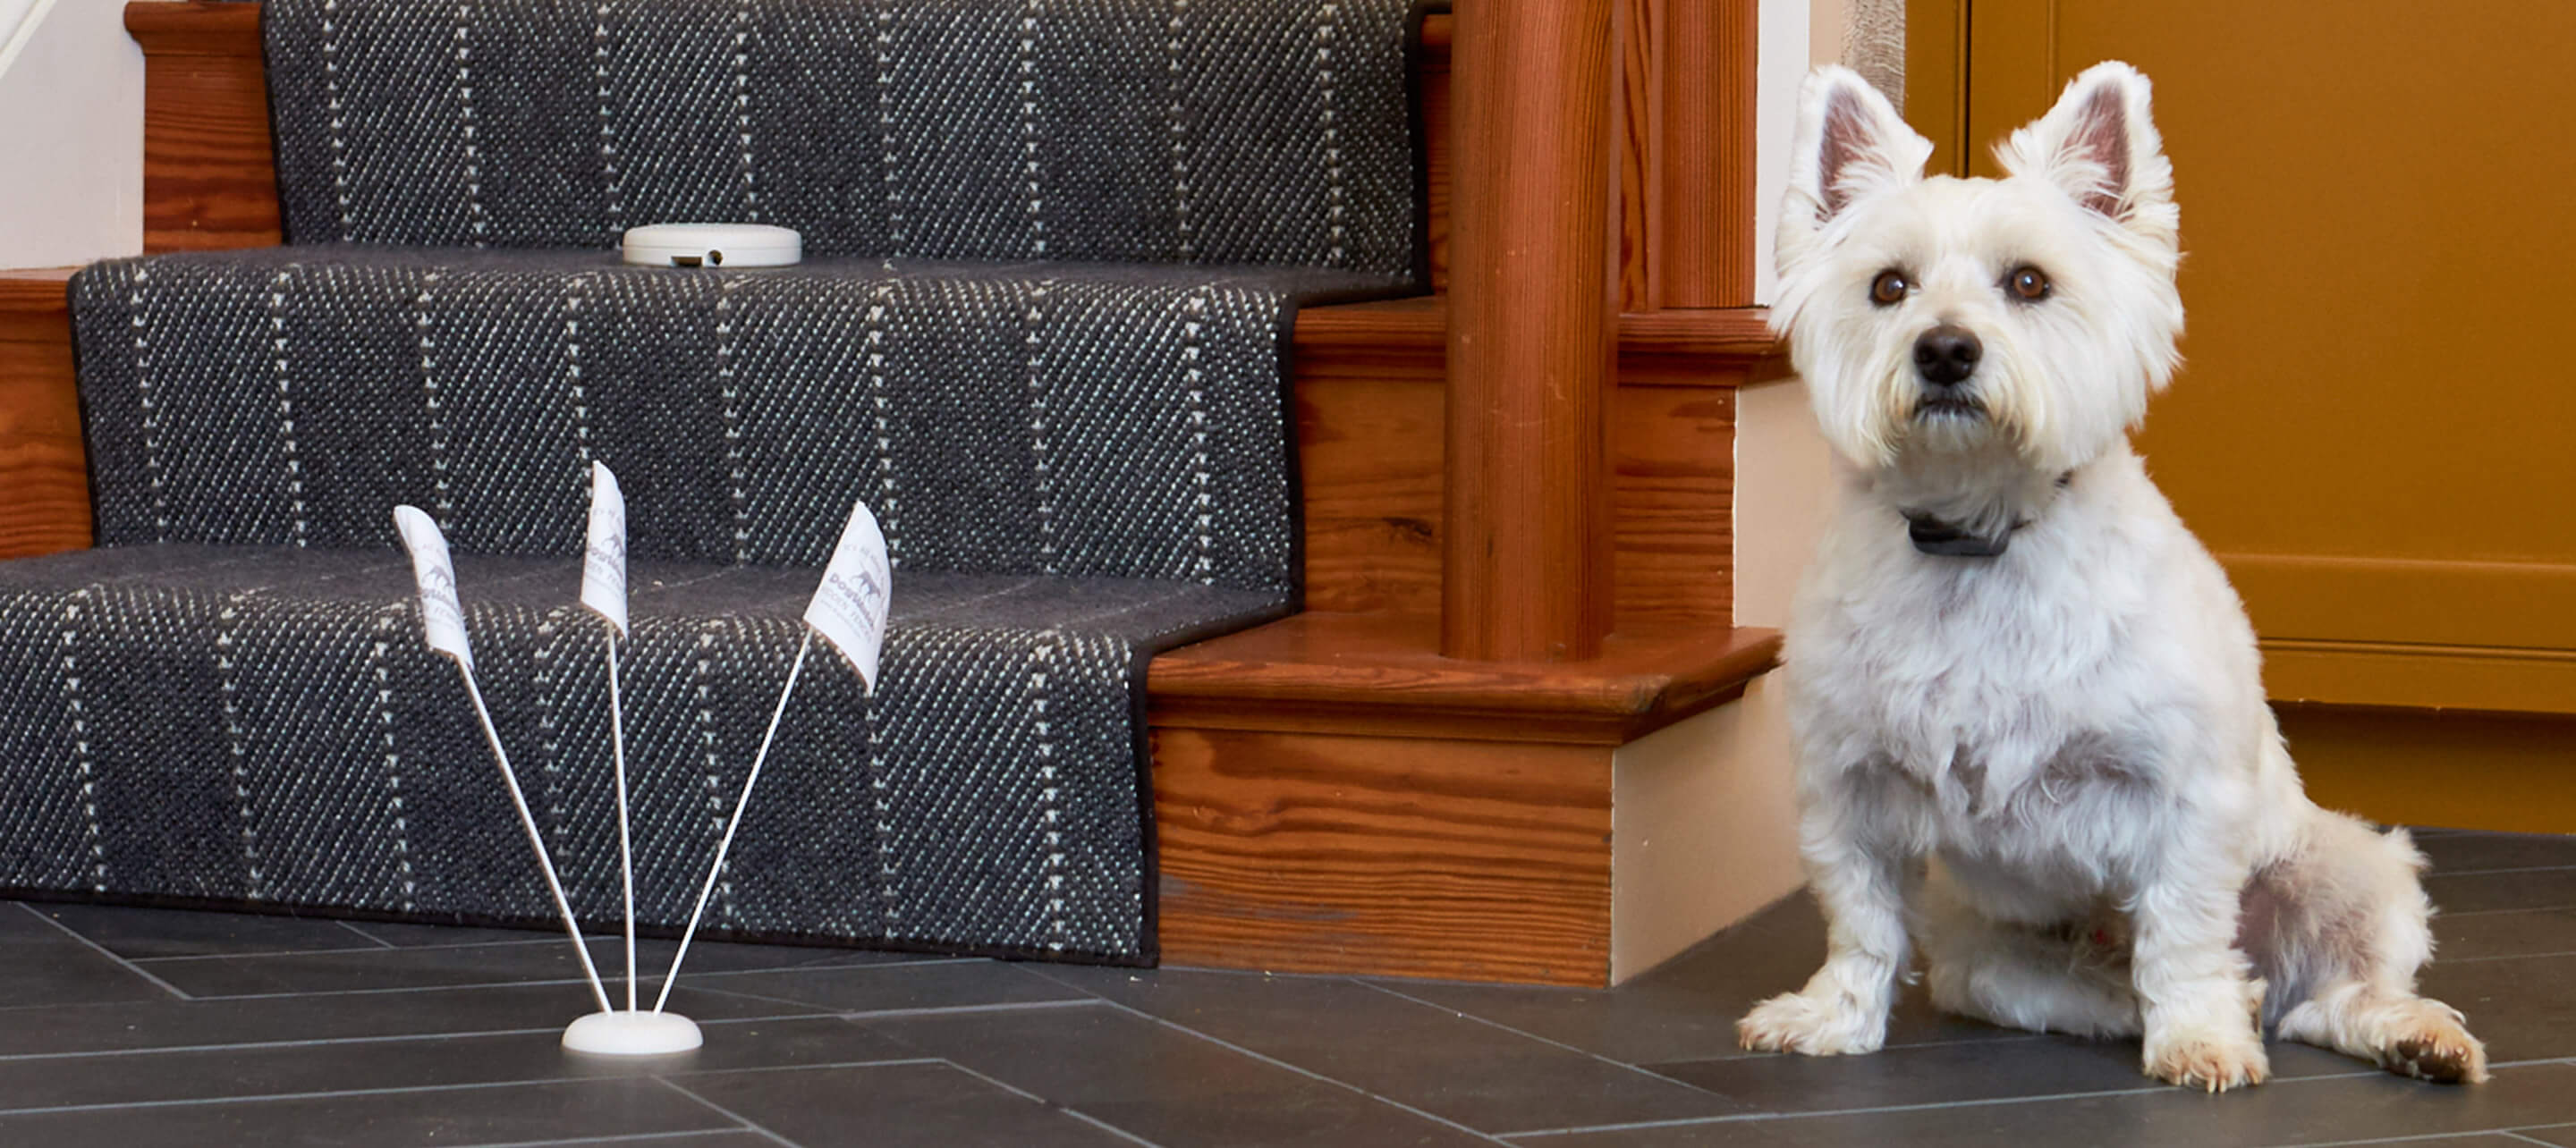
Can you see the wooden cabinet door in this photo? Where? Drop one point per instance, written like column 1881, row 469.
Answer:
column 2375, row 426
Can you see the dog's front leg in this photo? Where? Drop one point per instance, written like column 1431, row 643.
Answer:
column 2200, row 999
column 1862, row 886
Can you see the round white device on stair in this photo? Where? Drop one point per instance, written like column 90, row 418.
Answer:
column 713, row 245
column 632, row 1033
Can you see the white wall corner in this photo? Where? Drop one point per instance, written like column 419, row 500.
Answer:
column 1784, row 478
column 1703, row 829
column 71, row 122
column 1785, row 53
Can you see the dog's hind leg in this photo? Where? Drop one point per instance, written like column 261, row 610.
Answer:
column 2343, row 924
column 2041, row 978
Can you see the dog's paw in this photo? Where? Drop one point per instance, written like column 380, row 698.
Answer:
column 2209, row 1059
column 2435, row 1046
column 1827, row 1026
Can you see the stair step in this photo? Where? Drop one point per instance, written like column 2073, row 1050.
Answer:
column 1252, row 131
column 1117, row 420
column 233, row 725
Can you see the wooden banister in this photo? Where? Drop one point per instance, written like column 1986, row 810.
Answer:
column 1526, row 562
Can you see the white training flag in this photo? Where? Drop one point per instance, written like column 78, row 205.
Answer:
column 442, row 619
column 849, row 608
column 603, row 565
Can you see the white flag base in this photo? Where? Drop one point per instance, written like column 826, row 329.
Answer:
column 632, row 1033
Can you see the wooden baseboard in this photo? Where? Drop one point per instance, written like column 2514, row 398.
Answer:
column 1400, row 856
column 2425, row 767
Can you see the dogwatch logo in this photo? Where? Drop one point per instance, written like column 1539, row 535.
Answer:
column 603, row 563
column 849, row 608
column 442, row 617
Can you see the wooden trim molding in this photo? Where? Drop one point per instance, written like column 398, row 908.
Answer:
column 2514, row 605
column 2492, row 636
column 2482, row 678
column 1382, row 674
column 44, row 469
column 1936, row 80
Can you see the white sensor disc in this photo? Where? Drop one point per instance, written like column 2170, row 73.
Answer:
column 632, row 1033
column 713, row 245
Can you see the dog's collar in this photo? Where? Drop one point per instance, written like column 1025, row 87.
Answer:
column 1942, row 538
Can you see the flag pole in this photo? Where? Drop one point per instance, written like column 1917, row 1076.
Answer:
column 740, row 803
column 528, row 821
column 625, row 836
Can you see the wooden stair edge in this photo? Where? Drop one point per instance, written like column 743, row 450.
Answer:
column 194, row 29
column 1382, row 674
column 36, row 290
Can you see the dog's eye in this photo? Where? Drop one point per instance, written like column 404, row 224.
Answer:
column 2028, row 284
column 1889, row 288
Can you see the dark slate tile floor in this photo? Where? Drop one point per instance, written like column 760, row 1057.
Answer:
column 146, row 1027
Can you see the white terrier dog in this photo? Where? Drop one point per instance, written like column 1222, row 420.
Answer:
column 2026, row 699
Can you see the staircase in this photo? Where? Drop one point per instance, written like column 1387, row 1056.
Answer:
column 1075, row 292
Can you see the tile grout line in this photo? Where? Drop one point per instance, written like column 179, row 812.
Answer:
column 2440, row 913
column 2440, row 872
column 1997, row 1101
column 1275, row 1062
column 1067, row 1109
column 617, row 1138
column 1461, row 1014
column 102, row 950
column 388, row 1038
column 723, row 1111
column 2420, row 1137
column 2506, row 957
column 464, row 1086
column 379, row 942
column 539, row 983
column 917, row 1010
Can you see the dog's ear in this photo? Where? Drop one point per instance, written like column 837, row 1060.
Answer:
column 1851, row 144
column 2099, row 144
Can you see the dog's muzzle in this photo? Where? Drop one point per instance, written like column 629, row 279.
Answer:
column 1945, row 359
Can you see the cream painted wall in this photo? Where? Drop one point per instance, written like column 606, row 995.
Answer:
column 71, row 117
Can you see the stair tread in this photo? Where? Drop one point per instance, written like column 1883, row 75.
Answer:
column 1113, row 419
column 1321, row 667
column 956, row 128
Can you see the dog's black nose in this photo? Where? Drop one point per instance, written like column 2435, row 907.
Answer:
column 1947, row 354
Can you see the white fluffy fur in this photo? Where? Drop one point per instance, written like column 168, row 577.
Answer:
column 2059, row 757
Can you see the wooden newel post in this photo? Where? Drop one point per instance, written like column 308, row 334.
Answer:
column 1526, row 550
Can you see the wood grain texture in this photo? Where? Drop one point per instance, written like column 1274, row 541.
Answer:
column 1370, row 405
column 1391, row 856
column 1525, row 545
column 1383, row 673
column 1672, row 457
column 44, row 477
column 1640, row 154
column 1701, row 208
column 209, row 161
